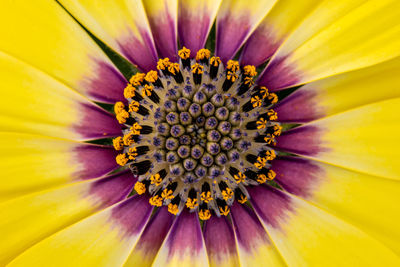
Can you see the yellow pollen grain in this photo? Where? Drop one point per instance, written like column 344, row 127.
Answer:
column 257, row 102
column 128, row 139
column 261, row 178
column 232, row 65
column 173, row 68
column 140, row 188
column 231, row 76
column 206, row 196
column 215, row 61
column 197, row 68
column 121, row 159
column 151, row 76
column 173, row 208
column 248, row 81
column 250, row 70
column 155, row 201
column 167, row 194
column 132, row 153
column 202, row 54
column 224, row 211
column 260, row 163
column 135, row 128
column 264, row 91
column 261, row 123
column 118, row 143
column 129, row 91
column 184, row 53
column 122, row 116
column 162, row 64
column 227, row 193
column 137, row 79
column 273, row 116
column 271, row 175
column 239, row 178
column 134, row 106
column 277, row 130
column 270, row 155
column 269, row 139
column 146, row 90
column 156, row 179
column 118, row 107
column 204, row 215
column 273, row 98
column 191, row 203
column 242, row 199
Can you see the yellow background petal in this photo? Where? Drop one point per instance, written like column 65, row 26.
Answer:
column 29, row 219
column 44, row 35
column 367, row 35
column 365, row 139
column 95, row 241
column 31, row 162
column 308, row 236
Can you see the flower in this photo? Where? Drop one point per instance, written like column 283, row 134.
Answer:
column 268, row 137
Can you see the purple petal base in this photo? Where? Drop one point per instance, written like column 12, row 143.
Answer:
column 141, row 54
column 185, row 235
column 219, row 239
column 270, row 204
column 132, row 215
column 163, row 27
column 298, row 176
column 231, row 33
column 95, row 160
column 154, row 234
column 96, row 123
column 278, row 75
column 261, row 45
column 106, row 84
column 248, row 228
column 193, row 28
column 299, row 107
column 114, row 188
column 304, row 140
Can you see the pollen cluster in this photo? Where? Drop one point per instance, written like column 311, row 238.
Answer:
column 197, row 133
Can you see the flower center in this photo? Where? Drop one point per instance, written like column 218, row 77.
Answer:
column 198, row 133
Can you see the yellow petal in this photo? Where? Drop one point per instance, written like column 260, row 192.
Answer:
column 362, row 35
column 57, row 45
column 308, row 236
column 33, row 102
column 342, row 92
column 29, row 219
column 103, row 239
column 121, row 24
column 364, row 139
column 367, row 202
column 31, row 162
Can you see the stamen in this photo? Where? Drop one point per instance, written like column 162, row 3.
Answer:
column 118, row 143
column 129, row 91
column 140, row 188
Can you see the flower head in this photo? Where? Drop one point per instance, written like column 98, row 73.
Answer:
column 205, row 133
